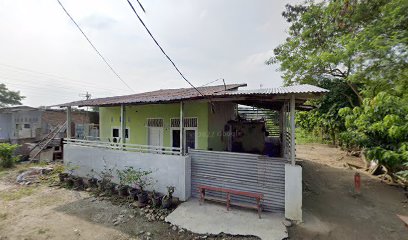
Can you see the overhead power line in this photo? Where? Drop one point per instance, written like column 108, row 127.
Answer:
column 161, row 49
column 19, row 69
column 93, row 46
column 24, row 76
column 211, row 82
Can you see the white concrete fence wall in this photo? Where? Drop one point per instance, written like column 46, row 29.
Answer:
column 167, row 170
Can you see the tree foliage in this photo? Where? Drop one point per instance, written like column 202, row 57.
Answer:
column 357, row 42
column 7, row 158
column 381, row 126
column 358, row 49
column 8, row 97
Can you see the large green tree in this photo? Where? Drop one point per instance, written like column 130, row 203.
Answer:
column 358, row 49
column 362, row 43
column 8, row 97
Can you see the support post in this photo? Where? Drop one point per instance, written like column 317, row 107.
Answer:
column 182, row 150
column 122, row 124
column 282, row 129
column 69, row 121
column 292, row 130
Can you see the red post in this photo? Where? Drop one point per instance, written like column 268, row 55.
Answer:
column 357, row 183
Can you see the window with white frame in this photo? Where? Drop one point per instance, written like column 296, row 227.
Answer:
column 190, row 132
column 116, row 134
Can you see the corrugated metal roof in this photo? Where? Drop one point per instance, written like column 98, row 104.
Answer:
column 174, row 95
column 163, row 95
column 304, row 88
column 17, row 109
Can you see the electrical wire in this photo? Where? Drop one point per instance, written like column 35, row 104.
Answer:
column 161, row 49
column 93, row 46
column 20, row 70
column 211, row 82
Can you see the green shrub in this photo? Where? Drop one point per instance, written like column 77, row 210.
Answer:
column 380, row 126
column 7, row 158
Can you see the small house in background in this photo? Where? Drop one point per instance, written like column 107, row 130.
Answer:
column 39, row 130
column 23, row 124
column 219, row 136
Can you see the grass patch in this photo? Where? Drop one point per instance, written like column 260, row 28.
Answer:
column 43, row 231
column 3, row 216
column 15, row 194
column 303, row 137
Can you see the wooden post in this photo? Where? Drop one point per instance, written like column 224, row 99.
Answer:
column 69, row 121
column 122, row 124
column 292, row 130
column 182, row 128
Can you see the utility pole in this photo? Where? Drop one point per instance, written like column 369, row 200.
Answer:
column 87, row 95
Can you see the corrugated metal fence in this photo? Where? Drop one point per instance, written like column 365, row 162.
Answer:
column 240, row 171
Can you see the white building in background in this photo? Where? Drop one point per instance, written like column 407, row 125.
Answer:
column 27, row 124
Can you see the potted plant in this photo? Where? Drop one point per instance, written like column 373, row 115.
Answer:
column 129, row 178
column 105, row 179
column 133, row 192
column 92, row 180
column 122, row 188
column 70, row 179
column 137, row 179
column 167, row 200
column 143, row 181
column 156, row 199
column 110, row 188
column 78, row 182
column 63, row 176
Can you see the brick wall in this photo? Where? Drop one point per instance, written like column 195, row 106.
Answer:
column 52, row 118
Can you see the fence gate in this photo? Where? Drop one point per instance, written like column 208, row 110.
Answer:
column 240, row 171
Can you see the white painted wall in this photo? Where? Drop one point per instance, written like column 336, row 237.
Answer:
column 168, row 170
column 31, row 117
column 293, row 192
column 5, row 126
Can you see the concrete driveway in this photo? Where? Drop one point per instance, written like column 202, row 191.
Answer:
column 213, row 218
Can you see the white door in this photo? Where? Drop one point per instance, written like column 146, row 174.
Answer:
column 155, row 136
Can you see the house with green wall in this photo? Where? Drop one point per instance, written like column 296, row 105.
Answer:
column 190, row 137
column 159, row 124
column 210, row 119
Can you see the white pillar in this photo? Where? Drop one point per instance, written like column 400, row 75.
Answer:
column 292, row 130
column 123, row 123
column 293, row 192
column 182, row 128
column 293, row 175
column 69, row 120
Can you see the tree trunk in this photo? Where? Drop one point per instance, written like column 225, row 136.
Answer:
column 355, row 90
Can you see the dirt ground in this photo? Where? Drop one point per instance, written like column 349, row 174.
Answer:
column 42, row 212
column 332, row 210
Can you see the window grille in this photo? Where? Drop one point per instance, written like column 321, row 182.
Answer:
column 188, row 122
column 155, row 122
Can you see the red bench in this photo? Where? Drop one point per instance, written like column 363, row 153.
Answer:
column 257, row 196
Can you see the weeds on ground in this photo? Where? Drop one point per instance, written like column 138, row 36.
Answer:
column 16, row 194
column 43, row 231
column 52, row 178
column 303, row 137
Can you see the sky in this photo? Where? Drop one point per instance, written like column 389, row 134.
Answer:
column 45, row 57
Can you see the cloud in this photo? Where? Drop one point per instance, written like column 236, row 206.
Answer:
column 228, row 39
column 98, row 22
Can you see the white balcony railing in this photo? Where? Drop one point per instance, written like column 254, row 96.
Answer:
column 125, row 146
